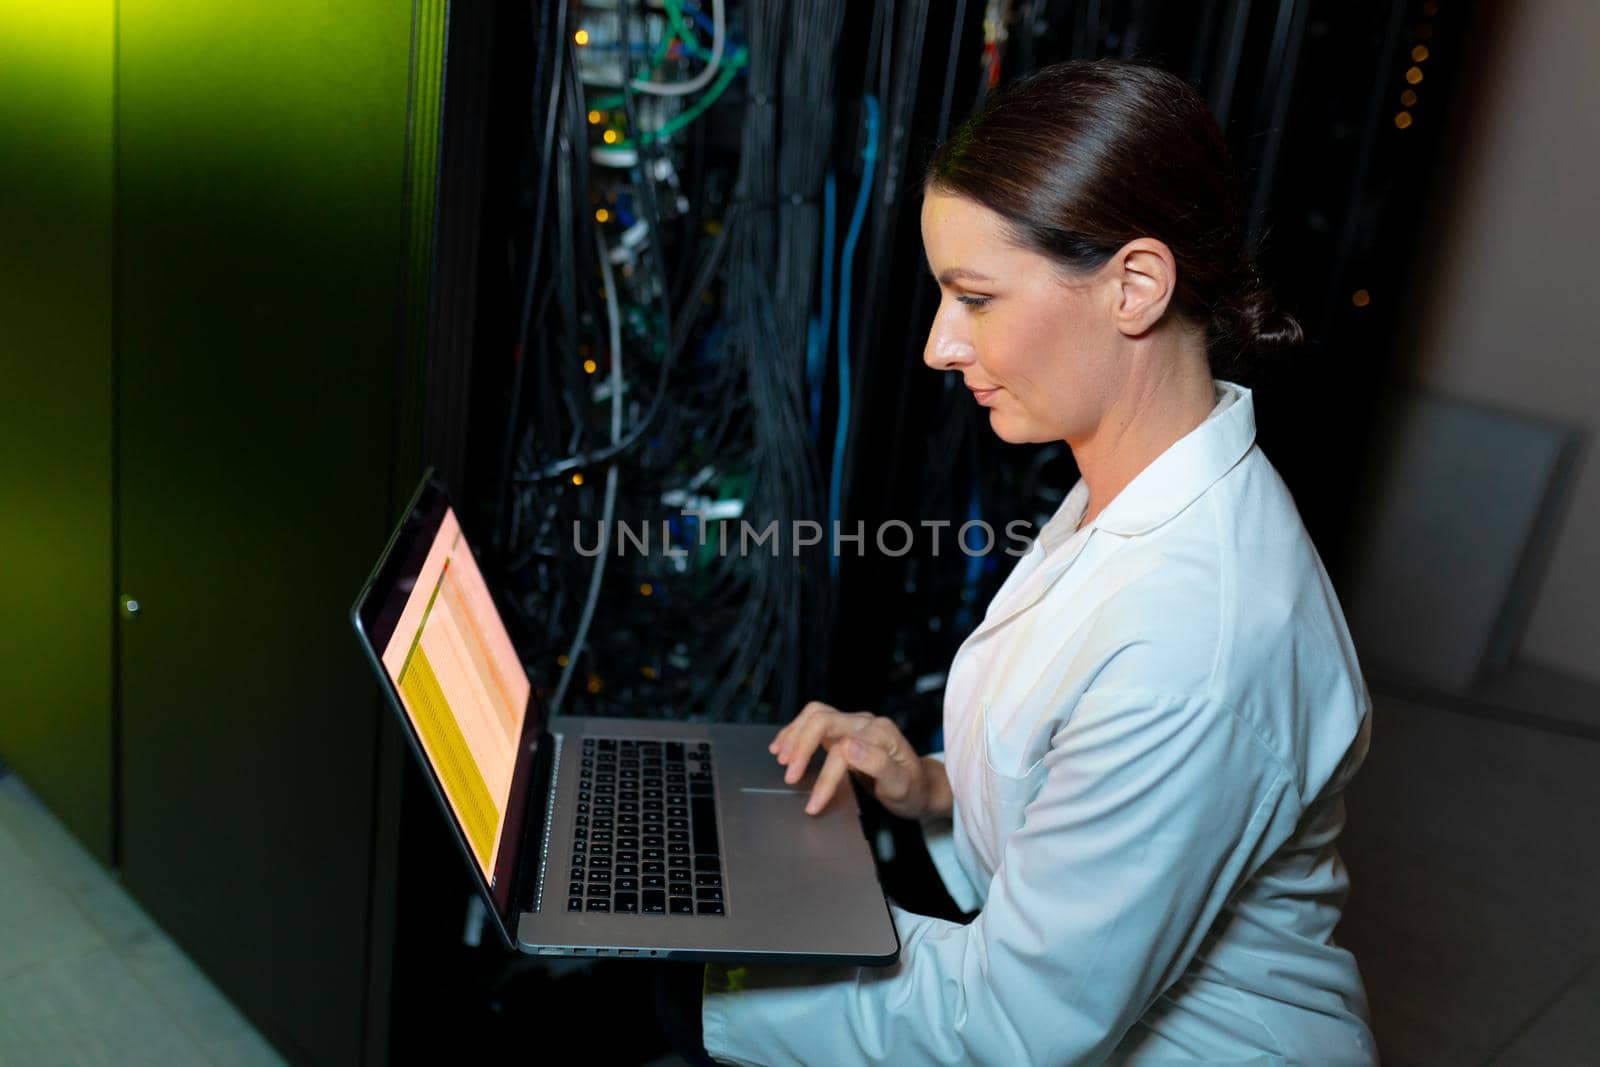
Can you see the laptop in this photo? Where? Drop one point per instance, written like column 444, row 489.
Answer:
column 595, row 836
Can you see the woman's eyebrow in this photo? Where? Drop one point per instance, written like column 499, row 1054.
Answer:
column 962, row 274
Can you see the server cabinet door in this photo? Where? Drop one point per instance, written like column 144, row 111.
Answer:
column 56, row 594
column 261, row 270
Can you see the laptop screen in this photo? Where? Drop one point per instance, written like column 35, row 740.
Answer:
column 462, row 686
column 433, row 634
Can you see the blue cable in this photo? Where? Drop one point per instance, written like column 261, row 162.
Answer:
column 869, row 159
column 699, row 17
column 817, row 336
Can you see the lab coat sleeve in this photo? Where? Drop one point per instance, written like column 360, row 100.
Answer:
column 938, row 832
column 1153, row 808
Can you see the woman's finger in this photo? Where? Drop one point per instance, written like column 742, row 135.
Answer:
column 822, row 726
column 864, row 754
column 878, row 758
column 812, row 707
column 833, row 770
column 887, row 735
column 807, row 720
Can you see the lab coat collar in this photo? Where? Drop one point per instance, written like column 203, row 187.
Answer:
column 1174, row 480
column 1171, row 482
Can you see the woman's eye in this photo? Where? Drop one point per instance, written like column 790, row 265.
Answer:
column 973, row 301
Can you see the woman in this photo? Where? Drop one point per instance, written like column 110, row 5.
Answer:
column 1148, row 735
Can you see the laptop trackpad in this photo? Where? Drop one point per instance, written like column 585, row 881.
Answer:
column 774, row 822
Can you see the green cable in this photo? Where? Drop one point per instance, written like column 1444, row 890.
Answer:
column 681, row 28
column 732, row 66
column 681, row 32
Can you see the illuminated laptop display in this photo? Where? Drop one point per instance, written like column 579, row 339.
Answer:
column 462, row 686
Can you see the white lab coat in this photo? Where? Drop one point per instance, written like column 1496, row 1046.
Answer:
column 1147, row 739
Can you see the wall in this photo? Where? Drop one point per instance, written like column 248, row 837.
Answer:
column 56, row 583
column 1504, row 288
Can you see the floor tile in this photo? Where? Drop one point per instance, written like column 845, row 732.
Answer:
column 244, row 1048
column 1568, row 1032
column 58, row 904
column 49, row 844
column 87, row 1010
column 38, row 920
column 189, row 996
column 1473, row 864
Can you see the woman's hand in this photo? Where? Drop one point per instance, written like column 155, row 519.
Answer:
column 906, row 784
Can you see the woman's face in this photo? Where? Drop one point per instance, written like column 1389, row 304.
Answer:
column 1037, row 348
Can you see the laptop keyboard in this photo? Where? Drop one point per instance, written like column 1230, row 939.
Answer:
column 644, row 838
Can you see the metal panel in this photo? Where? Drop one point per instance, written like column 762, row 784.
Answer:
column 1427, row 604
column 265, row 392
column 56, row 592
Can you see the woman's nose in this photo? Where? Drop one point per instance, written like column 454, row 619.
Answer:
column 947, row 348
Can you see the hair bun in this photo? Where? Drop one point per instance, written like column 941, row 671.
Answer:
column 1253, row 321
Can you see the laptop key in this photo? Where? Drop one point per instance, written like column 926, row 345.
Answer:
column 627, row 902
column 655, row 902
column 682, row 906
column 710, row 907
column 574, row 903
column 707, row 893
column 654, row 881
column 704, row 820
column 598, row 905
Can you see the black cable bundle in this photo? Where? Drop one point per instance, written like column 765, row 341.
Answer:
column 769, row 653
column 898, row 67
column 714, row 346
column 807, row 115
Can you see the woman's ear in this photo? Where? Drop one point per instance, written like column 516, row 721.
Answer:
column 1146, row 277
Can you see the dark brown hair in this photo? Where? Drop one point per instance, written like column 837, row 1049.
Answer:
column 1082, row 157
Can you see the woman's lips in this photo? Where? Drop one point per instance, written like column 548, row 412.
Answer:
column 982, row 395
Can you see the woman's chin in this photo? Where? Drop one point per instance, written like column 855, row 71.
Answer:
column 1013, row 432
